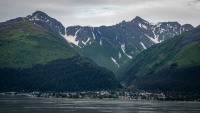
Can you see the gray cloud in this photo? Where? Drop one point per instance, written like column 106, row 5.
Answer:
column 193, row 3
column 197, row 1
column 104, row 12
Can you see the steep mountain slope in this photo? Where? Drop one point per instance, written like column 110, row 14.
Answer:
column 25, row 43
column 171, row 65
column 31, row 48
column 113, row 46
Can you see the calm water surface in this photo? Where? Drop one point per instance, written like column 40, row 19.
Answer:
column 19, row 104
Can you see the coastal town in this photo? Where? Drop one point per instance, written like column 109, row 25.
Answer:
column 117, row 94
column 120, row 94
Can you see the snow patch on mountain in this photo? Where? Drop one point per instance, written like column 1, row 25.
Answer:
column 120, row 55
column 158, row 24
column 142, row 26
column 93, row 35
column 162, row 30
column 85, row 43
column 71, row 38
column 115, row 61
column 100, row 42
column 132, row 52
column 123, row 49
column 99, row 32
column 155, row 39
column 152, row 39
column 143, row 45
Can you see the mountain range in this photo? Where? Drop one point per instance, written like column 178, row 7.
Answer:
column 114, row 46
column 140, row 53
column 109, row 46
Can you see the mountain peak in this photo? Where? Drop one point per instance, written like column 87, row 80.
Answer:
column 40, row 14
column 187, row 26
column 138, row 19
column 43, row 17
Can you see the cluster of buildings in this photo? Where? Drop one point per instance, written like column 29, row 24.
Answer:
column 124, row 95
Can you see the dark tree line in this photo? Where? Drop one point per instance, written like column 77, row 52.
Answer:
column 73, row 74
column 172, row 79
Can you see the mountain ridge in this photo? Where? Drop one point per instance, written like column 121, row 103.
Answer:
column 125, row 39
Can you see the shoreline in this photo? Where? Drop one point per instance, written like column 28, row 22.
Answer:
column 91, row 96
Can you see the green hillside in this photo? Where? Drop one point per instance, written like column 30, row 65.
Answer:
column 164, row 62
column 23, row 44
column 102, row 55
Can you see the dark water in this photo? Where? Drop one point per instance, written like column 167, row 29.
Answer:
column 18, row 104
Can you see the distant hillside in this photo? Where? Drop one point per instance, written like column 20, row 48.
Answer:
column 171, row 65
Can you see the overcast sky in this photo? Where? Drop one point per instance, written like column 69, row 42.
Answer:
column 104, row 12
